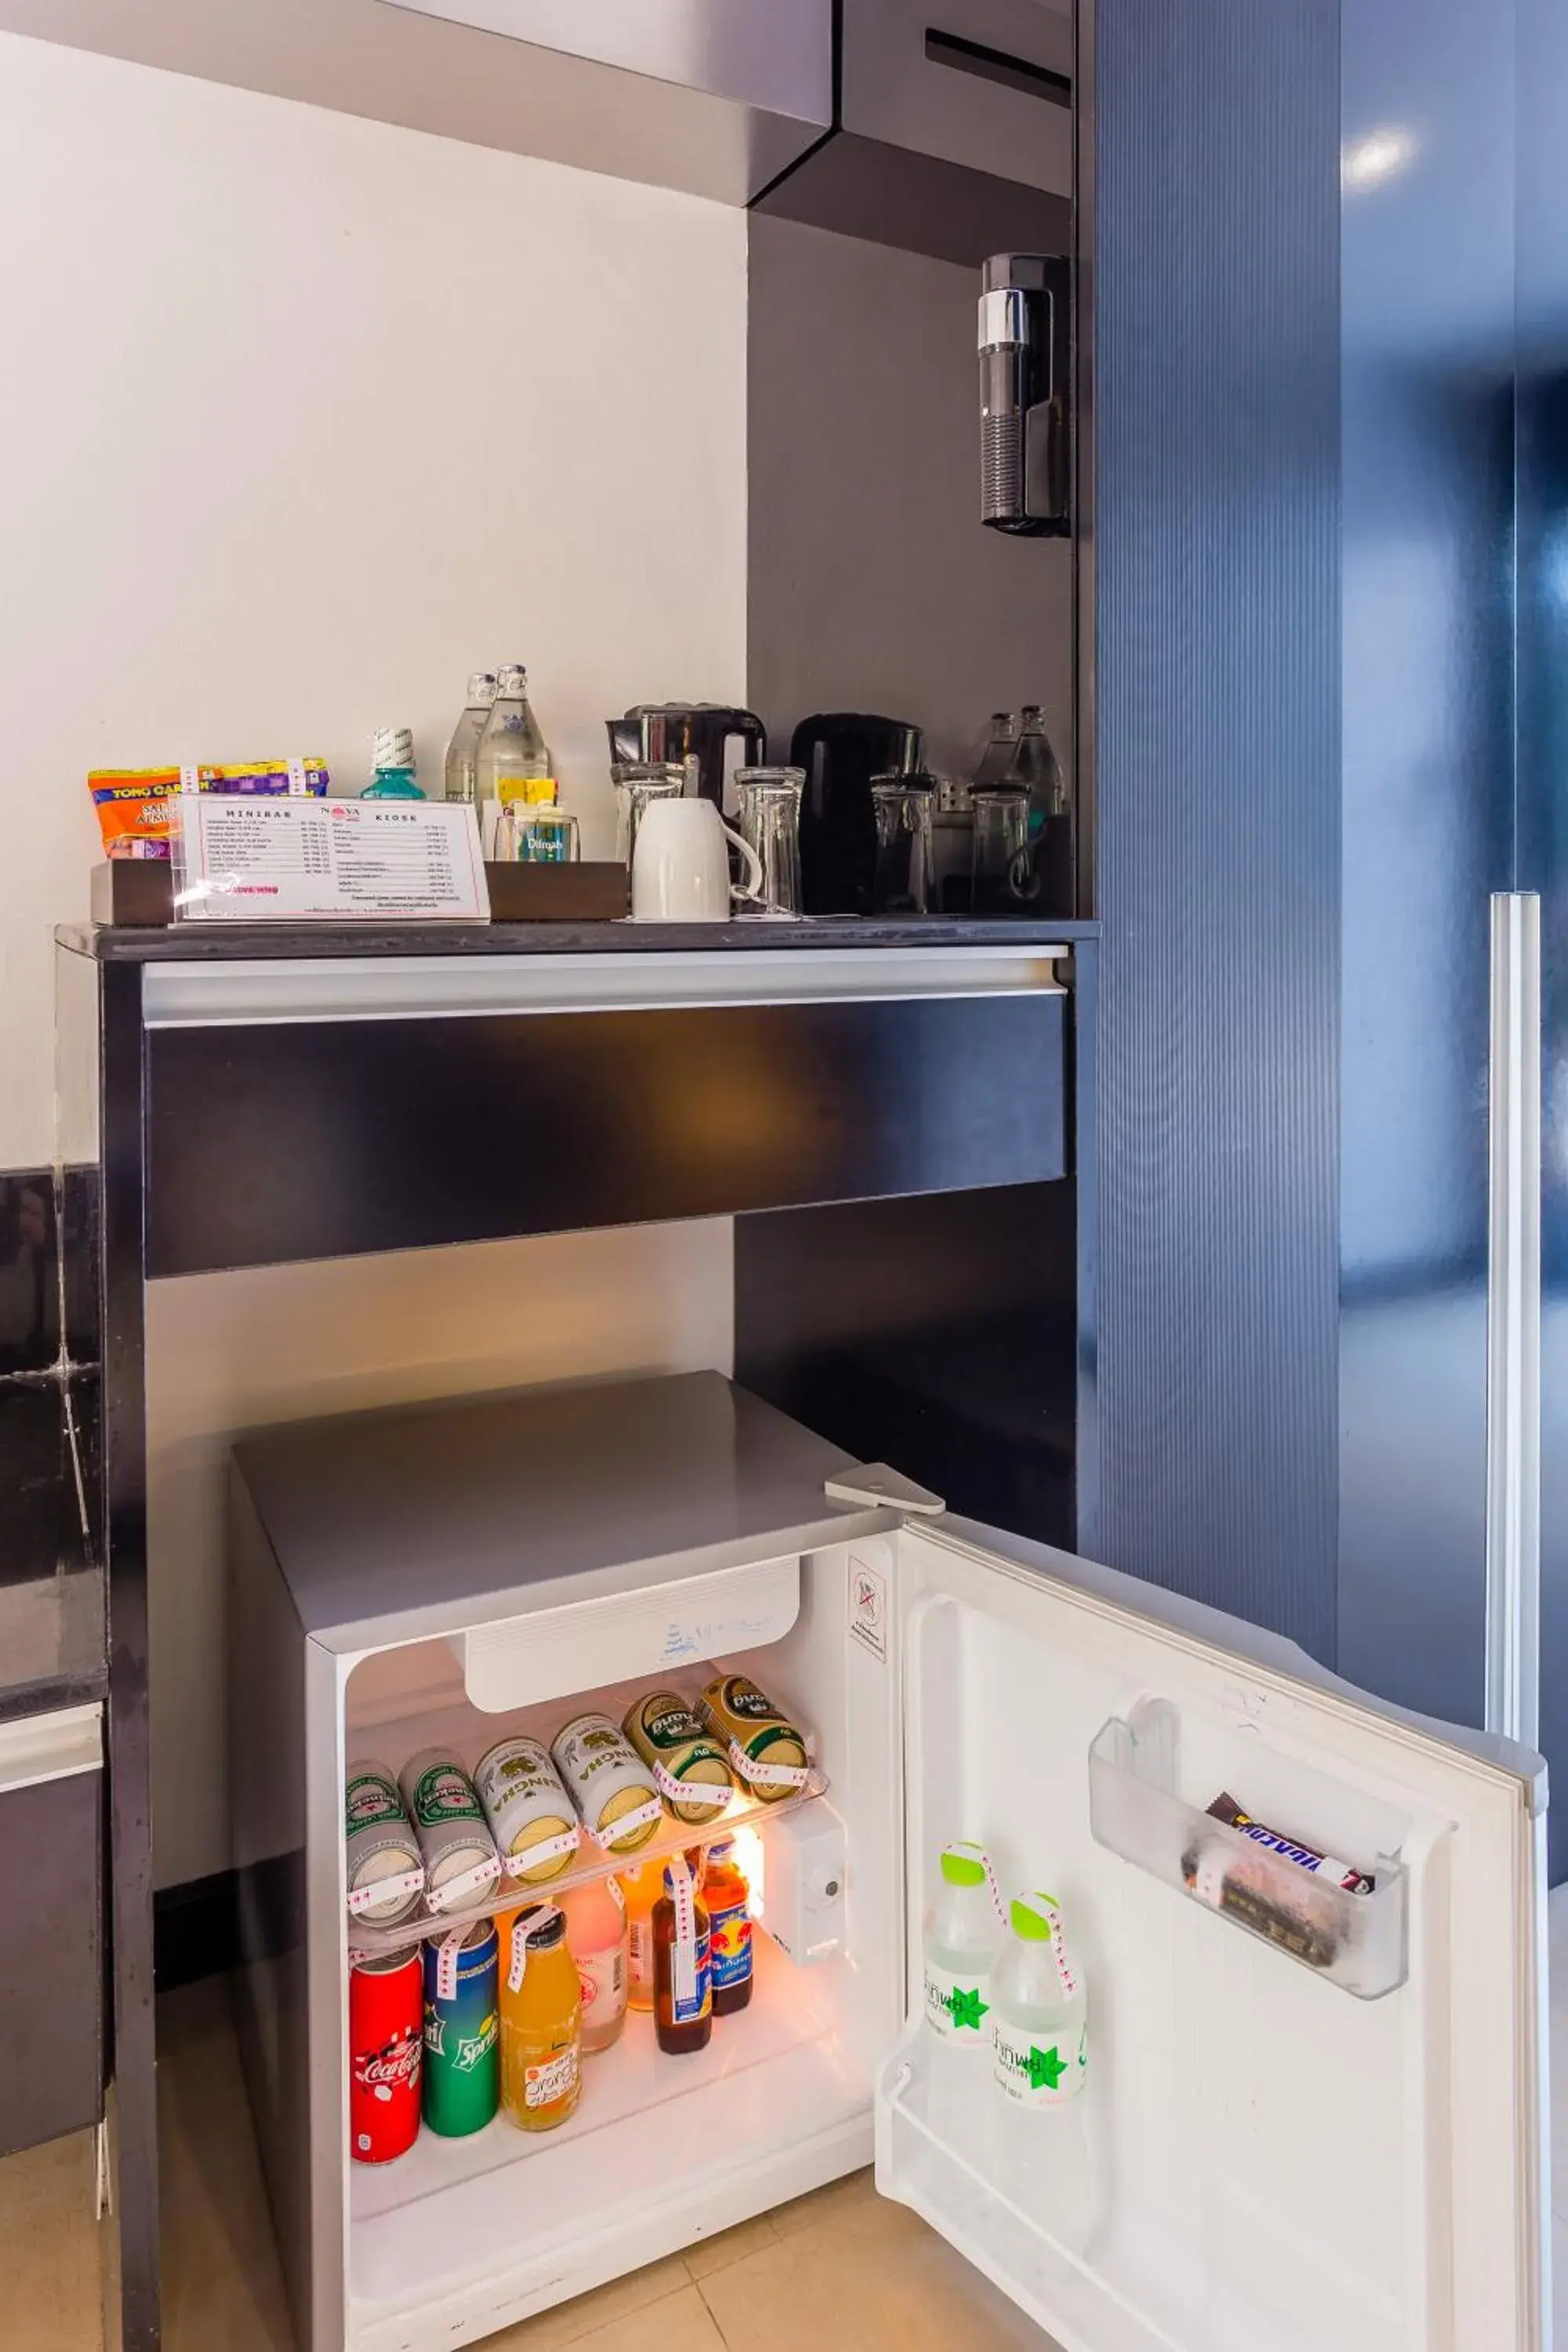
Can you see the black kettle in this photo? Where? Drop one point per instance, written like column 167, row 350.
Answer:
column 840, row 752
column 696, row 731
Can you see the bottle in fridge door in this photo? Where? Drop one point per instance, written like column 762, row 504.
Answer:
column 1039, row 2035
column 962, row 1937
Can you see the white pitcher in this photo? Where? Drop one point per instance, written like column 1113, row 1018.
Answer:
column 680, row 866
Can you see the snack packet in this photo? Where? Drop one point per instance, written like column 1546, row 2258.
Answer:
column 138, row 810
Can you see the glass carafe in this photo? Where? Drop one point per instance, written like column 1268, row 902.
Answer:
column 768, row 800
column 638, row 783
column 901, row 883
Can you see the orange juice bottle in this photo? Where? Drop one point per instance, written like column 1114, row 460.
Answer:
column 541, row 2019
column 641, row 1890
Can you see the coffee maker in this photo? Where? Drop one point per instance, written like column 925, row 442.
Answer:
column 695, row 734
column 840, row 752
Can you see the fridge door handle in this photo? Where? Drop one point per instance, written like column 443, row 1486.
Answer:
column 1513, row 1323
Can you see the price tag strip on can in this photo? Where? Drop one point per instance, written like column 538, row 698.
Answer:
column 611, row 1836
column 767, row 1776
column 447, row 1953
column 550, row 1849
column 385, row 1890
column 687, row 1793
column 468, row 1881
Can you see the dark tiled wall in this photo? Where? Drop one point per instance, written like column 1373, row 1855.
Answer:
column 40, row 1513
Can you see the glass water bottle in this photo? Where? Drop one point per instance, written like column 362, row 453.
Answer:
column 512, row 750
column 461, row 750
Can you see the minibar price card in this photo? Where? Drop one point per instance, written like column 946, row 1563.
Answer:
column 248, row 860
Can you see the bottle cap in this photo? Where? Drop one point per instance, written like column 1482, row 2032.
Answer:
column 721, row 1850
column 545, row 1926
column 481, row 689
column 1036, row 1917
column 511, row 679
column 964, row 1865
column 392, row 747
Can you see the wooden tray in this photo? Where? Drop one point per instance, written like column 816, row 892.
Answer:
column 137, row 893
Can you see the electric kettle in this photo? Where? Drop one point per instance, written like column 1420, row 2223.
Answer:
column 697, row 734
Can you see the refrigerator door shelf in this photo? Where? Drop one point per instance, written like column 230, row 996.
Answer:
column 1352, row 1938
column 1253, row 2160
column 619, row 1636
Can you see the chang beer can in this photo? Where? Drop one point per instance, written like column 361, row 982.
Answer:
column 461, row 2079
column 386, row 1874
column 766, row 1751
column 455, row 1843
column 532, row 1817
column 608, row 1782
column 688, row 1766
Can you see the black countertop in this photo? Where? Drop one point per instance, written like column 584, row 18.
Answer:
column 237, row 943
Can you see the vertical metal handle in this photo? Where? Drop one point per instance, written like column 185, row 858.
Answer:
column 1513, row 1322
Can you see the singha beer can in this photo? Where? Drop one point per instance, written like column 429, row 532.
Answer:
column 693, row 1778
column 460, row 2088
column 386, row 2000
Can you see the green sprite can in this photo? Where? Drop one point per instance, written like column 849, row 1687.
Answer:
column 460, row 2078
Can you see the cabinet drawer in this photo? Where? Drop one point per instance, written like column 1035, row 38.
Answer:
column 51, row 1950
column 259, row 1134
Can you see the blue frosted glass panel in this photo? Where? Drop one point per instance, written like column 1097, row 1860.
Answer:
column 1219, row 798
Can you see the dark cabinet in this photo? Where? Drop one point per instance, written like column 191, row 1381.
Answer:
column 51, row 1950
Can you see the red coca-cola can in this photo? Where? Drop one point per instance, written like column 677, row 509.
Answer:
column 386, row 2022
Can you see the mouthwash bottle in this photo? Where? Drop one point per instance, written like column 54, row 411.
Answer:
column 963, row 1934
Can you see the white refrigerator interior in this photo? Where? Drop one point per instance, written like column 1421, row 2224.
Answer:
column 1336, row 2141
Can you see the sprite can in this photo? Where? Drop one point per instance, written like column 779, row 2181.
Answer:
column 460, row 2080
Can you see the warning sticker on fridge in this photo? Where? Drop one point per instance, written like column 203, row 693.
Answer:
column 868, row 1609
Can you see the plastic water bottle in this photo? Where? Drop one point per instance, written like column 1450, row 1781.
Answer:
column 1039, row 2046
column 963, row 1935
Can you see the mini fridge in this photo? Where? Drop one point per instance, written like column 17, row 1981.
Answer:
column 1275, row 2147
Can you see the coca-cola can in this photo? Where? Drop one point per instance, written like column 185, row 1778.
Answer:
column 387, row 2022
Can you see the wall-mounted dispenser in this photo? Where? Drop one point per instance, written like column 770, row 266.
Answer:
column 1026, row 355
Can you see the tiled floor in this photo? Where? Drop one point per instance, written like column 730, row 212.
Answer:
column 842, row 2268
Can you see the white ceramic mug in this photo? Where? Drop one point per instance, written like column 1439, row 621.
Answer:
column 680, row 867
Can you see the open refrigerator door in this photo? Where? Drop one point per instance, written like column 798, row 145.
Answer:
column 1310, row 2103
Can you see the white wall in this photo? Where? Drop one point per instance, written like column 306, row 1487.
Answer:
column 302, row 418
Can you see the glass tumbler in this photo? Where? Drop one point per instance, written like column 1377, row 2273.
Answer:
column 902, row 879
column 529, row 836
column 769, row 805
column 636, row 782
column 1001, row 871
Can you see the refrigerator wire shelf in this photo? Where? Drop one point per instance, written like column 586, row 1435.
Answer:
column 368, row 1940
